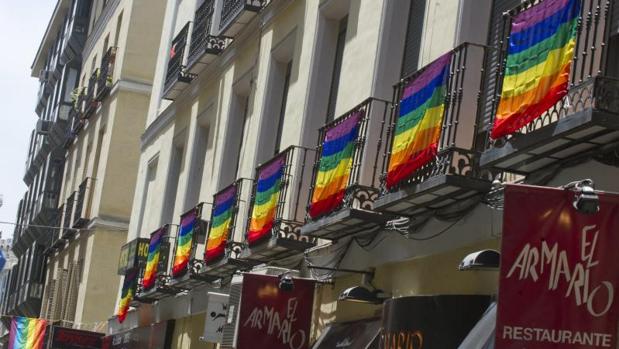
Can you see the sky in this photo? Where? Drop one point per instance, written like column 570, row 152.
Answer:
column 22, row 24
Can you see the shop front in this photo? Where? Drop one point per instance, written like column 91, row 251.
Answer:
column 157, row 335
column 68, row 338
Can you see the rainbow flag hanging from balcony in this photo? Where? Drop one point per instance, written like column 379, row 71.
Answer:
column 223, row 212
column 539, row 56
column 418, row 128
column 27, row 333
column 184, row 243
column 152, row 261
column 127, row 293
column 266, row 200
column 336, row 161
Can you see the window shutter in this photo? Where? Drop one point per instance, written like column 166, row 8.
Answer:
column 615, row 19
column 413, row 37
column 495, row 35
column 57, row 296
column 234, row 301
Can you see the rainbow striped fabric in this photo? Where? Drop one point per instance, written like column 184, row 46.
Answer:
column 184, row 243
column 266, row 200
column 127, row 293
column 152, row 261
column 221, row 223
column 336, row 160
column 27, row 333
column 418, row 128
column 537, row 71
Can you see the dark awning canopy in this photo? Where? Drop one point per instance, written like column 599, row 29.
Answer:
column 361, row 334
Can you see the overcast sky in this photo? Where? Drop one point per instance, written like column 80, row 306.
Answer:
column 22, row 24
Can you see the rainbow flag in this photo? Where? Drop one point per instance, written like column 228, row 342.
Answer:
column 27, row 333
column 335, row 166
column 418, row 128
column 223, row 212
column 266, row 200
column 152, row 261
column 127, row 293
column 538, row 65
column 184, row 243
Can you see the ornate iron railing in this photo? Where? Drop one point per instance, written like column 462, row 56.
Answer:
column 198, row 235
column 231, row 9
column 457, row 144
column 201, row 39
column 176, row 65
column 82, row 202
column 166, row 258
column 106, row 72
column 363, row 182
column 589, row 64
column 289, row 213
column 90, row 102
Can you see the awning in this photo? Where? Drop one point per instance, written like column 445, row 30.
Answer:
column 350, row 335
column 482, row 335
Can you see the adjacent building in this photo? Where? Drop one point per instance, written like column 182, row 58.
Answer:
column 100, row 156
column 57, row 66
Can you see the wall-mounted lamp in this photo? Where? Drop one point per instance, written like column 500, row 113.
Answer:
column 286, row 283
column 585, row 200
column 365, row 293
column 481, row 260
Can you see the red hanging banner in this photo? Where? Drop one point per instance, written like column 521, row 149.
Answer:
column 274, row 318
column 559, row 271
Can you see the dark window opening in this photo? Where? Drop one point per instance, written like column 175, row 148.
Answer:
column 337, row 68
column 282, row 112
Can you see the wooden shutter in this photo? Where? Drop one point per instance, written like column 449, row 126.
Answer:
column 57, row 297
column 414, row 30
column 234, row 302
column 498, row 31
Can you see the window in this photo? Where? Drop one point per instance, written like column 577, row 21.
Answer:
column 282, row 112
column 196, row 173
column 149, row 182
column 245, row 106
column 337, row 68
column 118, row 26
column 412, row 46
column 171, row 188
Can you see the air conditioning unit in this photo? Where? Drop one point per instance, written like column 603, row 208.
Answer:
column 234, row 302
column 43, row 127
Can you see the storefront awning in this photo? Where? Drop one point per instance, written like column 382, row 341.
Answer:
column 350, row 335
column 482, row 335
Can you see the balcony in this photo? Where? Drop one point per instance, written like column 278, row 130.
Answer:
column 45, row 209
column 56, row 242
column 67, row 232
column 204, row 47
column 583, row 122
column 106, row 73
column 447, row 171
column 90, row 101
column 83, row 203
column 344, row 181
column 75, row 31
column 273, row 230
column 177, row 76
column 157, row 286
column 221, row 252
column 235, row 14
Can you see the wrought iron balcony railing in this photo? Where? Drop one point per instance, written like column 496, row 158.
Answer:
column 204, row 46
column 106, row 73
column 154, row 280
column 67, row 232
column 410, row 186
column 75, row 31
column 345, row 179
column 235, row 14
column 177, row 76
column 90, row 101
column 581, row 122
column 83, row 203
column 276, row 213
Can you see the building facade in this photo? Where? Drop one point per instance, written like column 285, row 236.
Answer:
column 57, row 66
column 241, row 86
column 100, row 160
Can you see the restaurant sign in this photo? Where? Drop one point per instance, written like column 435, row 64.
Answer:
column 68, row 338
column 430, row 322
column 274, row 318
column 132, row 254
column 559, row 271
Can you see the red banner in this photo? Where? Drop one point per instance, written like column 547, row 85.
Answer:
column 559, row 271
column 274, row 318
